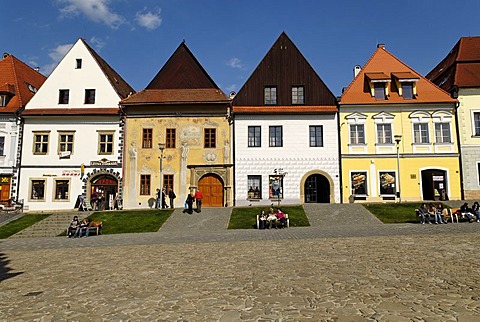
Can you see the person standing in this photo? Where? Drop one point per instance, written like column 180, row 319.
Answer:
column 171, row 196
column 164, row 199
column 158, row 195
column 189, row 203
column 198, row 200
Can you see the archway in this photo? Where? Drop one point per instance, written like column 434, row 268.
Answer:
column 103, row 191
column 211, row 187
column 434, row 184
column 317, row 189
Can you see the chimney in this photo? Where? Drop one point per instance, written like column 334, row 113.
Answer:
column 381, row 46
column 356, row 70
column 5, row 55
column 37, row 69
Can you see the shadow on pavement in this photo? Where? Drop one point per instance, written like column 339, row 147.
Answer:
column 4, row 269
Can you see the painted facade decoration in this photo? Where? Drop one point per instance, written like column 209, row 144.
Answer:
column 286, row 133
column 459, row 74
column 398, row 138
column 178, row 136
column 73, row 135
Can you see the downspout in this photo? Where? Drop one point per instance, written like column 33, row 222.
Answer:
column 123, row 121
column 20, row 152
column 457, row 130
column 232, row 117
column 340, row 172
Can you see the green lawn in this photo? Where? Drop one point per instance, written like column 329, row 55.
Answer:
column 131, row 221
column 246, row 217
column 20, row 224
column 394, row 213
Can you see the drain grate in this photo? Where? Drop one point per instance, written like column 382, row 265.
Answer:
column 33, row 293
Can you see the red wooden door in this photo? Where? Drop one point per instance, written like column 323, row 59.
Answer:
column 212, row 188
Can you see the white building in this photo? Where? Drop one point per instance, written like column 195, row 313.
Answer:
column 286, row 133
column 73, row 135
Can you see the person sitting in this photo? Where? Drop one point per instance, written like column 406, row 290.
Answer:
column 83, row 225
column 281, row 217
column 262, row 218
column 72, row 228
column 466, row 212
column 439, row 215
column 271, row 219
column 476, row 210
column 422, row 212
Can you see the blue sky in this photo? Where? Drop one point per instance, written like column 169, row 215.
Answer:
column 230, row 37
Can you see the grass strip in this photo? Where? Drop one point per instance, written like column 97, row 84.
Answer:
column 20, row 224
column 246, row 217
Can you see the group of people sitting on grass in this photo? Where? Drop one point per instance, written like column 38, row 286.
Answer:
column 440, row 213
column 78, row 228
column 274, row 219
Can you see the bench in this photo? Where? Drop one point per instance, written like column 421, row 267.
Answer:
column 11, row 205
column 452, row 214
column 277, row 222
column 93, row 226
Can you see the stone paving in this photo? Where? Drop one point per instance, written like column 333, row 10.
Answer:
column 369, row 272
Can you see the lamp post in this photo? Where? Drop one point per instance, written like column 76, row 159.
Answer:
column 398, row 139
column 161, row 147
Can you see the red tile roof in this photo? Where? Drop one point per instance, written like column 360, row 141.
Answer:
column 293, row 109
column 176, row 96
column 382, row 61
column 15, row 76
column 70, row 111
column 460, row 68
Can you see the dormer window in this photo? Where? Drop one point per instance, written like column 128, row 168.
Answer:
column 4, row 100
column 270, row 95
column 378, row 83
column 298, row 97
column 78, row 64
column 406, row 83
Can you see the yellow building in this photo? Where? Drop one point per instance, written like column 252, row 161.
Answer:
column 397, row 133
column 177, row 136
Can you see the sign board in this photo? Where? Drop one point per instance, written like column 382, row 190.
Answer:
column 437, row 178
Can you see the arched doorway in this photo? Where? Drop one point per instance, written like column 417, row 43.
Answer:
column 103, row 191
column 434, row 184
column 211, row 187
column 317, row 189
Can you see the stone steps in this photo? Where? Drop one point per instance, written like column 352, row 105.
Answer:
column 51, row 226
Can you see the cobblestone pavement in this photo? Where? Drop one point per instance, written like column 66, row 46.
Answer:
column 345, row 273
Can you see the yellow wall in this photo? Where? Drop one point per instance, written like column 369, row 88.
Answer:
column 189, row 130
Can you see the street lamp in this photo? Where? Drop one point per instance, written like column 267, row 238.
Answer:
column 161, row 147
column 398, row 138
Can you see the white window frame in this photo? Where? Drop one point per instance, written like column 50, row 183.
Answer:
column 474, row 133
column 357, row 119
column 443, row 117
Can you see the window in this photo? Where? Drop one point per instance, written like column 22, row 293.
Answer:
column 254, row 187
column 2, row 145
column 316, row 136
column 40, row 143
column 379, row 89
column 254, row 136
column 384, row 133
column 65, row 142
column 270, row 95
column 147, row 138
column 442, row 133
column 145, row 184
column 105, row 143
column 89, row 96
column 37, row 191
column 420, row 133
column 297, row 95
column 407, row 90
column 168, row 182
column 275, row 187
column 4, row 100
column 357, row 134
column 171, row 138
column 210, row 138
column 63, row 96
column 359, row 183
column 478, row 172
column 61, row 189
column 476, row 123
column 78, row 63
column 387, row 182
column 275, row 136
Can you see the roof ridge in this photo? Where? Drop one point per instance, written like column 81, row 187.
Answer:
column 362, row 72
column 15, row 77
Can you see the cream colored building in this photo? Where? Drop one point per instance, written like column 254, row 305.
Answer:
column 178, row 136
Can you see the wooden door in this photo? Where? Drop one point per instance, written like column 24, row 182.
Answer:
column 212, row 188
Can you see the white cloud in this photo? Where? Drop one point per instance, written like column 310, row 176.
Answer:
column 56, row 55
column 232, row 88
column 97, row 43
column 150, row 20
column 95, row 10
column 235, row 63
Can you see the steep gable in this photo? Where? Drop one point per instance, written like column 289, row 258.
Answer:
column 385, row 69
column 80, row 70
column 18, row 82
column 460, row 68
column 282, row 67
